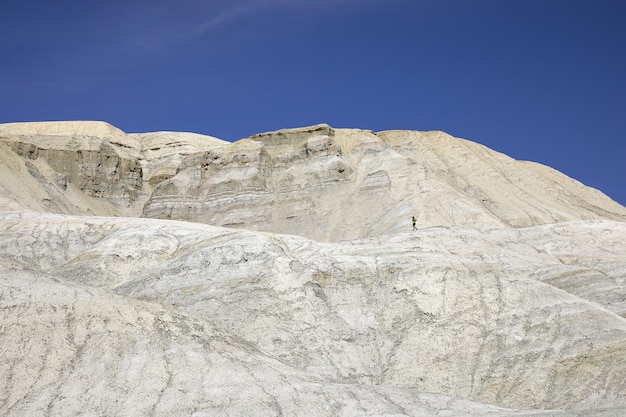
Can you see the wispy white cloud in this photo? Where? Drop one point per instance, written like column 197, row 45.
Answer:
column 189, row 21
column 225, row 15
column 147, row 28
column 249, row 7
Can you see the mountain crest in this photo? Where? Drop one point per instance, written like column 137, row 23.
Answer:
column 317, row 181
column 171, row 273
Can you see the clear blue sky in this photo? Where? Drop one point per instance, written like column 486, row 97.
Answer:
column 541, row 80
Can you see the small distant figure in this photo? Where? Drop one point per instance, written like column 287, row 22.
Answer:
column 414, row 220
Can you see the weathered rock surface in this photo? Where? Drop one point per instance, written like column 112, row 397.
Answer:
column 510, row 299
column 337, row 184
column 87, row 168
column 318, row 182
column 73, row 167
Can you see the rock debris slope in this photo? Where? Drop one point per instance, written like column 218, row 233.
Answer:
column 510, row 299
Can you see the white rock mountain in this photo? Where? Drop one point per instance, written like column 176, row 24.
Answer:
column 170, row 273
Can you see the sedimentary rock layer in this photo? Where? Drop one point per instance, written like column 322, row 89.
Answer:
column 173, row 273
column 452, row 311
column 319, row 182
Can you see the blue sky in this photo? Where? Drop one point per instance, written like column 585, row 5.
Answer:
column 540, row 80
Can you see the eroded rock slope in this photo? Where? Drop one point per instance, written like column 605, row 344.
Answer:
column 318, row 182
column 511, row 301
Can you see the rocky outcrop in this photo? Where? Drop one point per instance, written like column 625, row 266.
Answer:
column 460, row 312
column 107, row 355
column 73, row 351
column 163, row 152
column 106, row 170
column 319, row 182
column 336, row 184
column 92, row 162
column 122, row 293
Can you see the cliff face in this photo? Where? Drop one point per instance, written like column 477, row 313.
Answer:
column 318, row 182
column 78, row 168
column 317, row 298
column 335, row 184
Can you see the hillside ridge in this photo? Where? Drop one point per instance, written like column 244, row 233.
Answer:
column 320, row 182
column 172, row 273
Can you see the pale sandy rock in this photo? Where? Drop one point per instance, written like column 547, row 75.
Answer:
column 512, row 293
column 216, row 186
column 70, row 350
column 462, row 312
column 94, row 129
column 111, row 356
column 319, row 182
column 73, row 167
column 164, row 151
column 336, row 184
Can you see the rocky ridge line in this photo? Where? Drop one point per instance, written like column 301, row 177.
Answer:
column 319, row 182
column 511, row 294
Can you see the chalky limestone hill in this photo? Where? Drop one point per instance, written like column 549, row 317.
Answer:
column 318, row 182
column 178, row 274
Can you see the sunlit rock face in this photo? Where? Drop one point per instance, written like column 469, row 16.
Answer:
column 337, row 184
column 88, row 167
column 318, row 182
column 317, row 299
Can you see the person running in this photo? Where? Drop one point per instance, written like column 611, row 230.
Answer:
column 414, row 221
